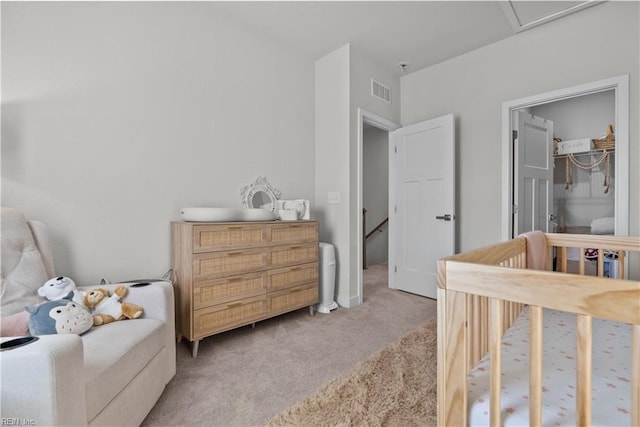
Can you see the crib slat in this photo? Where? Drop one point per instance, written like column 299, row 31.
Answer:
column 484, row 326
column 635, row 376
column 600, row 263
column 583, row 370
column 562, row 260
column 621, row 255
column 535, row 366
column 452, row 360
column 495, row 313
column 473, row 328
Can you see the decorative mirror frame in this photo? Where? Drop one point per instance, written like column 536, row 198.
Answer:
column 261, row 184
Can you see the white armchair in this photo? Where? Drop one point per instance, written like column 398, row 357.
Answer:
column 111, row 375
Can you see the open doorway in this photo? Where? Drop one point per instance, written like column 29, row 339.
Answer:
column 421, row 201
column 585, row 187
column 375, row 196
column 372, row 192
column 375, row 211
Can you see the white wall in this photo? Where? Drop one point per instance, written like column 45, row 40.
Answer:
column 116, row 115
column 473, row 86
column 343, row 85
column 363, row 69
column 582, row 117
column 332, row 87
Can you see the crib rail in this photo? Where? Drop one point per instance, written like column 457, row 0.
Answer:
column 481, row 293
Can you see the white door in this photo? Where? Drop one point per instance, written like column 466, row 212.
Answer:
column 424, row 212
column 533, row 174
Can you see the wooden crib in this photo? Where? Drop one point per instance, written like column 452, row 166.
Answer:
column 482, row 292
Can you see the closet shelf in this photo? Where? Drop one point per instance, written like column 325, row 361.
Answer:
column 586, row 153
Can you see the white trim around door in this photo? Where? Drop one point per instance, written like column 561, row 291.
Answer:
column 389, row 126
column 621, row 86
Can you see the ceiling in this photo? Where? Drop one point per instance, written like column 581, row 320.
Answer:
column 419, row 33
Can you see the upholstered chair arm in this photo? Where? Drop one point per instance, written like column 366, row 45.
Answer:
column 43, row 382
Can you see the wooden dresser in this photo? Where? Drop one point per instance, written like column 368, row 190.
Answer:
column 237, row 273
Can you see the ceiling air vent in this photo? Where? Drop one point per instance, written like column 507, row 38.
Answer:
column 380, row 91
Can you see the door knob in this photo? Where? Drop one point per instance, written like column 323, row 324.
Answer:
column 445, row 217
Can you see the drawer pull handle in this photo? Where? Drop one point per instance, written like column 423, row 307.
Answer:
column 293, row 248
column 234, row 305
column 234, row 227
column 234, row 253
column 293, row 291
column 234, row 279
column 294, row 269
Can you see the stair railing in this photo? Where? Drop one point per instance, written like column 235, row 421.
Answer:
column 366, row 235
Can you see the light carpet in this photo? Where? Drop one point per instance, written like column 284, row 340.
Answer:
column 394, row 387
column 246, row 376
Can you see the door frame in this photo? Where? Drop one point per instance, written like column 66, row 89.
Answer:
column 620, row 84
column 388, row 126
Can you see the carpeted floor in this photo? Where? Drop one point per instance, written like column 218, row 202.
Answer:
column 395, row 387
column 245, row 377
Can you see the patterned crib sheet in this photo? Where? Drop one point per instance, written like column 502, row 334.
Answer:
column 611, row 374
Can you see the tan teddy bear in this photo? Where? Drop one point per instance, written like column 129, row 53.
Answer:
column 107, row 308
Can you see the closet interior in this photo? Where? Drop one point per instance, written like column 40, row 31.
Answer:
column 584, row 171
column 584, row 162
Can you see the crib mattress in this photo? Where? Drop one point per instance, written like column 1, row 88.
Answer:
column 611, row 375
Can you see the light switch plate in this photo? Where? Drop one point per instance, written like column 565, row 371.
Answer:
column 333, row 198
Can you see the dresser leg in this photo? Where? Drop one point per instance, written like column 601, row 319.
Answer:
column 311, row 310
column 194, row 349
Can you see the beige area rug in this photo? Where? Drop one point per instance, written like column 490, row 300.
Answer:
column 394, row 387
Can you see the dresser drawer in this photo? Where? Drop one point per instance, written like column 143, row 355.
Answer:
column 296, row 232
column 226, row 263
column 218, row 291
column 282, row 256
column 288, row 277
column 293, row 298
column 216, row 237
column 227, row 316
